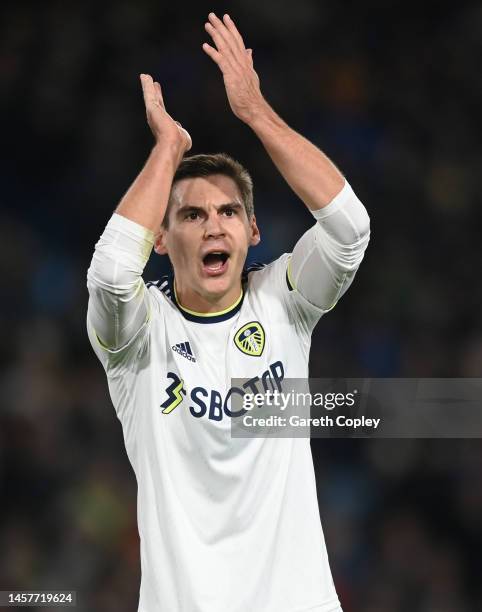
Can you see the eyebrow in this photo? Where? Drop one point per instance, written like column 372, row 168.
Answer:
column 190, row 208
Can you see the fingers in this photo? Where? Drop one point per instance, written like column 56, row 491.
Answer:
column 223, row 44
column 234, row 31
column 159, row 93
column 214, row 54
column 218, row 29
column 227, row 39
column 159, row 121
column 147, row 88
column 151, row 91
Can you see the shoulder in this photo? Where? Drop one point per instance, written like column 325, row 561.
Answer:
column 272, row 277
column 162, row 296
column 163, row 285
column 270, row 285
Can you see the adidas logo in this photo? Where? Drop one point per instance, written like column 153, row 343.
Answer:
column 184, row 349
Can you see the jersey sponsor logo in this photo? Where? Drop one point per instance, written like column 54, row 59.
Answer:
column 174, row 392
column 211, row 403
column 250, row 339
column 184, row 349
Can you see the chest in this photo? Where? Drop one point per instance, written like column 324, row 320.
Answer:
column 207, row 365
column 244, row 346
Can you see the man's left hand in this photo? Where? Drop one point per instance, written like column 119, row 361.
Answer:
column 236, row 64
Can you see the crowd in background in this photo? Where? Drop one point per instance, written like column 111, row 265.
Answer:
column 391, row 93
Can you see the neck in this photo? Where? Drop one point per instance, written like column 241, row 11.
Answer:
column 190, row 300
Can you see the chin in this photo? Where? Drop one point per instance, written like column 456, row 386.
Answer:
column 217, row 286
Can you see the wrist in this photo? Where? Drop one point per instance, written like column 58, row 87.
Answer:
column 262, row 117
column 168, row 152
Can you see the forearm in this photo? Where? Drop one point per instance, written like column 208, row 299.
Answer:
column 308, row 171
column 146, row 200
column 119, row 302
column 118, row 305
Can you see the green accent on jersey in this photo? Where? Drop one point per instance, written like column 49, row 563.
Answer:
column 115, row 351
column 250, row 339
column 288, row 272
column 177, row 398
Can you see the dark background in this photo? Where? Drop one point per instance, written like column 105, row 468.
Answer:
column 391, row 93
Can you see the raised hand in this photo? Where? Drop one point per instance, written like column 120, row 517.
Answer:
column 236, row 64
column 166, row 131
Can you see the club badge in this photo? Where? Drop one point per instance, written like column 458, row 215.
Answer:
column 250, row 339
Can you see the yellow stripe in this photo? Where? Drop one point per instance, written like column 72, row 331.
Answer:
column 99, row 341
column 207, row 314
column 109, row 350
column 331, row 307
column 288, row 269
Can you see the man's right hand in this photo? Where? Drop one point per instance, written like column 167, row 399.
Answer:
column 146, row 199
column 167, row 132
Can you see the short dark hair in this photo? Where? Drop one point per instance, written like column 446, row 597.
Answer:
column 209, row 164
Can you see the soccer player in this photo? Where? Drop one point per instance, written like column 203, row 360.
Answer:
column 226, row 524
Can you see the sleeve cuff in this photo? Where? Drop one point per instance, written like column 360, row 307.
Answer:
column 338, row 202
column 131, row 228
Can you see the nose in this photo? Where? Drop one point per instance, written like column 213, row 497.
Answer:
column 213, row 227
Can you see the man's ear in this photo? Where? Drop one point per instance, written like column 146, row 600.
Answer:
column 160, row 242
column 255, row 236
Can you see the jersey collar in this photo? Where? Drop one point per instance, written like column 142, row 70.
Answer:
column 205, row 317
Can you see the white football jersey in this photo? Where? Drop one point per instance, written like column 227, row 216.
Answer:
column 226, row 524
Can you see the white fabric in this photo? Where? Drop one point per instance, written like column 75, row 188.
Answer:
column 226, row 525
column 327, row 256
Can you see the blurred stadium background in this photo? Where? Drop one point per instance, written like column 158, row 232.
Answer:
column 391, row 92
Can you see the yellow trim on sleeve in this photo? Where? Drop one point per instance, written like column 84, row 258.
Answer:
column 117, row 350
column 100, row 343
column 288, row 271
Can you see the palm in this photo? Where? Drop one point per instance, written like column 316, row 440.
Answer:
column 236, row 64
column 164, row 128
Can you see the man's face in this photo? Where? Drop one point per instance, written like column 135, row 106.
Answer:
column 208, row 237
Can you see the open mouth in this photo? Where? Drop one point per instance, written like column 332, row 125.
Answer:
column 215, row 263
